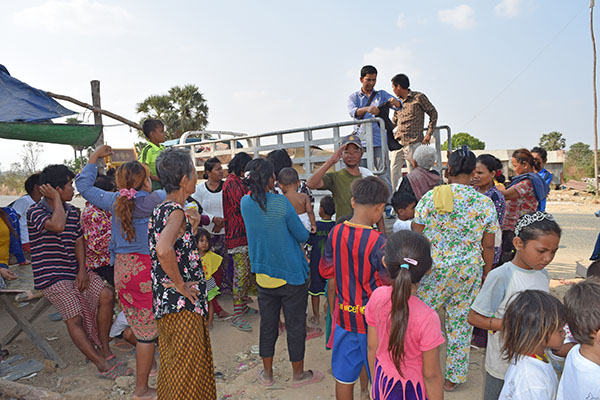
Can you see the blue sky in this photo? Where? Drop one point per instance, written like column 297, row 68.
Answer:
column 270, row 65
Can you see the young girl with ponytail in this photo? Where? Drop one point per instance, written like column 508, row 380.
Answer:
column 131, row 206
column 404, row 333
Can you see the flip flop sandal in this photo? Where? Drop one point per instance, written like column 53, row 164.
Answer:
column 316, row 377
column 117, row 370
column 241, row 324
column 315, row 333
column 262, row 380
column 216, row 318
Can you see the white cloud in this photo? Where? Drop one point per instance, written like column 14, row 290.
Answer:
column 77, row 16
column 461, row 17
column 401, row 21
column 508, row 8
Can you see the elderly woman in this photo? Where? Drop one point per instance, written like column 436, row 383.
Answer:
column 422, row 178
column 274, row 235
column 460, row 223
column 179, row 287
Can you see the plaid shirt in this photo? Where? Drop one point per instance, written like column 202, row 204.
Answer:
column 411, row 118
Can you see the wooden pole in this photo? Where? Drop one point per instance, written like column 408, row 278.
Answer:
column 97, row 115
column 96, row 110
column 26, row 392
column 595, row 100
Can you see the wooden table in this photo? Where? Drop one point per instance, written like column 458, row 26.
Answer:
column 24, row 285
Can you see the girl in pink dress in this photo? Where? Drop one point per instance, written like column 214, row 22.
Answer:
column 404, row 333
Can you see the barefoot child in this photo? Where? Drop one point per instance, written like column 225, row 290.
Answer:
column 533, row 324
column 536, row 240
column 581, row 376
column 211, row 262
column 289, row 182
column 356, row 271
column 404, row 334
column 317, row 242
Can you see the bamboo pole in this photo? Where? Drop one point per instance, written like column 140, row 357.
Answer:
column 96, row 110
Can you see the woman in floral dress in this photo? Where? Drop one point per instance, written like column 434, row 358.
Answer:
column 460, row 223
column 179, row 287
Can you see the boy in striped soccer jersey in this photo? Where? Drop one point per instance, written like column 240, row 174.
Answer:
column 58, row 263
column 352, row 260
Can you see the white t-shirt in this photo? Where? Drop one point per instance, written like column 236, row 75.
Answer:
column 400, row 225
column 21, row 205
column 499, row 286
column 529, row 379
column 212, row 205
column 580, row 379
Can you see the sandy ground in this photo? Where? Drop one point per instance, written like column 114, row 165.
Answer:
column 238, row 367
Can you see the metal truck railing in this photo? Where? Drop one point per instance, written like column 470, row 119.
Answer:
column 310, row 146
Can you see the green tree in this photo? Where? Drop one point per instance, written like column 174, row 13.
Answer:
column 181, row 109
column 552, row 141
column 463, row 138
column 579, row 162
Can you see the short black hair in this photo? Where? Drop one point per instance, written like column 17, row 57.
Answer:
column 106, row 183
column 287, row 176
column 150, row 125
column 328, row 205
column 401, row 80
column 370, row 191
column 541, row 151
column 461, row 161
column 56, row 175
column 237, row 165
column 593, row 269
column 31, row 181
column 403, row 199
column 367, row 70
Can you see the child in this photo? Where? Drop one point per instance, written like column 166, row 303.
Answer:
column 356, row 270
column 289, row 182
column 317, row 242
column 404, row 333
column 404, row 204
column 97, row 225
column 581, row 376
column 541, row 155
column 536, row 240
column 211, row 262
column 58, row 263
column 533, row 322
column 154, row 130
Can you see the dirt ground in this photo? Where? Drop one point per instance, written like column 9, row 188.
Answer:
column 235, row 364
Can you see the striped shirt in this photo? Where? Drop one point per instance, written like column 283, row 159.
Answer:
column 52, row 253
column 353, row 255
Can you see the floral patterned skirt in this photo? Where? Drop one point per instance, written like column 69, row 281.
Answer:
column 134, row 286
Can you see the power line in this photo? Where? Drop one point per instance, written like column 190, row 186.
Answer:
column 525, row 68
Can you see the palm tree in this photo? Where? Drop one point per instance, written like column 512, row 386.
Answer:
column 182, row 109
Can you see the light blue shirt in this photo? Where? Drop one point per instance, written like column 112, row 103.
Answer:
column 358, row 100
column 144, row 205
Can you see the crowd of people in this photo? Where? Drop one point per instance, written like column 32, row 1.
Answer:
column 167, row 246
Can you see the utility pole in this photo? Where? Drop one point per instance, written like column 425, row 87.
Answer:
column 595, row 100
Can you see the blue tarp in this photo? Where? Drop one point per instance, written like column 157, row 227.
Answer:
column 20, row 102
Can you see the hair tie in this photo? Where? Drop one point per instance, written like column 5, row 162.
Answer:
column 247, row 174
column 129, row 193
column 529, row 219
column 498, row 173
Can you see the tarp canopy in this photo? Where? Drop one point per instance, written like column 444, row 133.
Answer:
column 25, row 114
